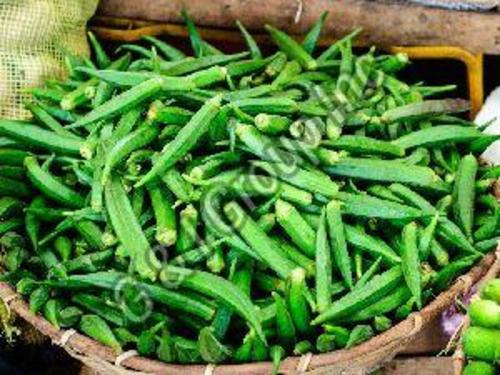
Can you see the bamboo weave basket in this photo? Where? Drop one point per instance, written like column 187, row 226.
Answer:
column 361, row 359
column 358, row 360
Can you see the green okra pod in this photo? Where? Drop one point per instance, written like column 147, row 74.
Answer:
column 448, row 273
column 205, row 283
column 338, row 241
column 464, row 193
column 438, row 135
column 47, row 120
column 99, row 307
column 91, row 233
column 293, row 49
column 360, row 145
column 184, row 141
column 9, row 206
column 284, row 324
column 250, row 42
column 272, row 124
column 91, row 262
column 51, row 312
column 258, row 240
column 375, row 246
column 188, row 222
column 377, row 288
column 101, row 56
column 386, row 171
column 138, row 139
column 425, row 108
column 297, row 303
column 314, row 181
column 98, row 329
column 178, row 185
column 410, row 263
column 369, row 273
column 38, row 298
column 262, row 146
column 69, row 316
column 190, row 65
column 123, row 102
column 128, row 230
column 366, row 206
column 324, row 268
column 359, row 334
column 40, row 138
column 52, row 187
column 311, row 38
column 426, row 237
column 211, row 349
column 385, row 305
column 302, row 347
column 166, row 49
column 296, row 227
column 166, row 221
column 297, row 256
column 270, row 105
column 64, row 247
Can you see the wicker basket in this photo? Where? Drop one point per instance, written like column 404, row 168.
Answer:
column 359, row 360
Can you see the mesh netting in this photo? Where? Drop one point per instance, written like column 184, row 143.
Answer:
column 34, row 36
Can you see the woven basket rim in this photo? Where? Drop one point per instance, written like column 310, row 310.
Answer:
column 394, row 339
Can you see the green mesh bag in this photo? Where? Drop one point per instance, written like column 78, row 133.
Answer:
column 34, row 37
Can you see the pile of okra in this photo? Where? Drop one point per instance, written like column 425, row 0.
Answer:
column 240, row 207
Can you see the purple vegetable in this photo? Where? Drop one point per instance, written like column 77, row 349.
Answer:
column 452, row 318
